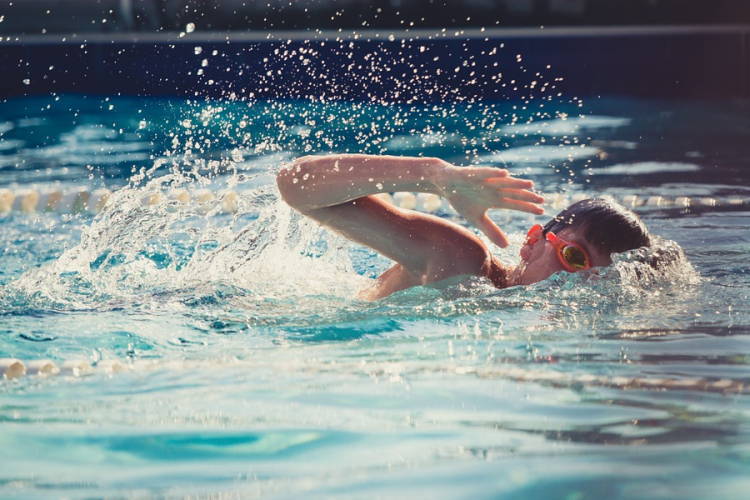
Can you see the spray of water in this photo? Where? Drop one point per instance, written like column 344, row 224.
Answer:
column 264, row 260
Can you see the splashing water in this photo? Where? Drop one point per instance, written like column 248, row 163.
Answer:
column 264, row 265
column 135, row 248
column 267, row 266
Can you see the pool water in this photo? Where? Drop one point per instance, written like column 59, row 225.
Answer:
column 249, row 369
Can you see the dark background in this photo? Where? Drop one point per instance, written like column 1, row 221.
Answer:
column 105, row 16
column 664, row 49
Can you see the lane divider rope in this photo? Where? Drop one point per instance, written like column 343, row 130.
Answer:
column 83, row 201
column 11, row 368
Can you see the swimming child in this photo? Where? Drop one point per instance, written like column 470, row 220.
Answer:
column 337, row 191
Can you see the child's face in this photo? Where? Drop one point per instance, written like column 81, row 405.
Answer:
column 541, row 258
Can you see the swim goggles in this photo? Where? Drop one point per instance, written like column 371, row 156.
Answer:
column 572, row 256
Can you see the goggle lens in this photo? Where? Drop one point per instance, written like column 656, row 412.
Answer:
column 572, row 257
column 575, row 257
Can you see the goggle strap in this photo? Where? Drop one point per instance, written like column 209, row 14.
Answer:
column 534, row 235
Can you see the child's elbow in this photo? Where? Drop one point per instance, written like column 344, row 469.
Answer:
column 285, row 181
column 288, row 182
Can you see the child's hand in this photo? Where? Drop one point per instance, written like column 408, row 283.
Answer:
column 474, row 190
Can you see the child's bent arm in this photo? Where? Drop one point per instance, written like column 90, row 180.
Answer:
column 313, row 183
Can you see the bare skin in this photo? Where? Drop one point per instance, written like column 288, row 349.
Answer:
column 338, row 190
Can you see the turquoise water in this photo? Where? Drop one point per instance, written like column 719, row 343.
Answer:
column 250, row 370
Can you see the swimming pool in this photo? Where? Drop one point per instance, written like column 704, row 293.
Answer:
column 229, row 358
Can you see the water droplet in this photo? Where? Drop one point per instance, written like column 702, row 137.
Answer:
column 26, row 81
column 190, row 28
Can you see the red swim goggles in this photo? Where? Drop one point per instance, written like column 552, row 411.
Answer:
column 572, row 256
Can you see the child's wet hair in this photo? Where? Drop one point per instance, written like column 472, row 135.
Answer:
column 610, row 227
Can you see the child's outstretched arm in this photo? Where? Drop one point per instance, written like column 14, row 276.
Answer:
column 336, row 189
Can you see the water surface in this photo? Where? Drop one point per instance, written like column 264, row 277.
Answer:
column 252, row 370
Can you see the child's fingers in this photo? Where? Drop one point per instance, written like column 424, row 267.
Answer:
column 486, row 173
column 522, row 206
column 521, row 195
column 510, row 183
column 493, row 232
